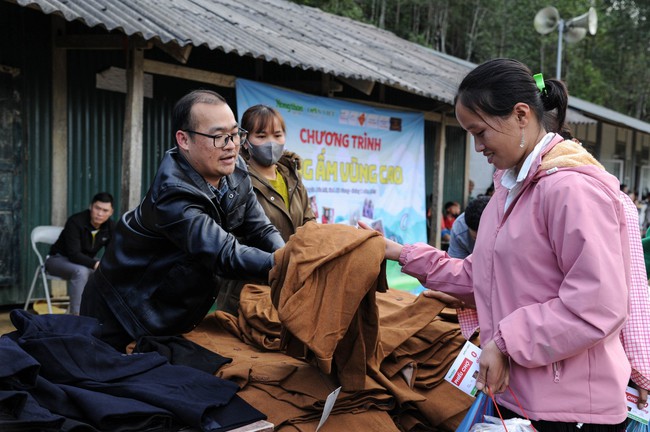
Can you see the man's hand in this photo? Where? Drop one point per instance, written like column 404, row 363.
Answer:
column 494, row 369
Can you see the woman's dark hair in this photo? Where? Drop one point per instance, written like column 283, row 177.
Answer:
column 497, row 85
column 258, row 118
column 182, row 112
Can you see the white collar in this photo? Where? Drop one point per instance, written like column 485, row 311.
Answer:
column 508, row 180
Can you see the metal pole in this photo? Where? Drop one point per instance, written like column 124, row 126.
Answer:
column 560, row 33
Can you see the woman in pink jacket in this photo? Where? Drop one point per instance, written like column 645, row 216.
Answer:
column 549, row 273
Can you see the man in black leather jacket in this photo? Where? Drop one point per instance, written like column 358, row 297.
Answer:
column 199, row 219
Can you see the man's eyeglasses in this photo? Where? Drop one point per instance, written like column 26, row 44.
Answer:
column 221, row 140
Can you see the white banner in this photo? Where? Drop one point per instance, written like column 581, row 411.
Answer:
column 359, row 162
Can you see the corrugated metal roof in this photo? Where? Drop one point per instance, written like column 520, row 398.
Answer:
column 608, row 115
column 277, row 31
column 298, row 36
column 574, row 117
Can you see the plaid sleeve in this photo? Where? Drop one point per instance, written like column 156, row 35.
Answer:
column 635, row 335
column 468, row 321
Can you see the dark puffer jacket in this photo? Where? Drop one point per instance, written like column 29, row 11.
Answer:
column 77, row 242
column 157, row 276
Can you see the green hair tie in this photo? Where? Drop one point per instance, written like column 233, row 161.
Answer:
column 539, row 80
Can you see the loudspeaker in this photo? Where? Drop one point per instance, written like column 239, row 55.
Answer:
column 546, row 20
column 587, row 21
column 573, row 35
column 576, row 28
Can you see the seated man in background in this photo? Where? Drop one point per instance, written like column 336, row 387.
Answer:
column 74, row 255
column 199, row 219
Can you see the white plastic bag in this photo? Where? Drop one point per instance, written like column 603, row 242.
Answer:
column 495, row 424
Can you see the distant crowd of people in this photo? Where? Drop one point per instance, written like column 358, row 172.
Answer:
column 642, row 204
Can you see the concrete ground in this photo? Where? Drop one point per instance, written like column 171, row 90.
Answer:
column 5, row 323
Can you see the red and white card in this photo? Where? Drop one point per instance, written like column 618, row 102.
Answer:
column 633, row 412
column 464, row 372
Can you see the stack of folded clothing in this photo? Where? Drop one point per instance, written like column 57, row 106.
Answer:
column 406, row 391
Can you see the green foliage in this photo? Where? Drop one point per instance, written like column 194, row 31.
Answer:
column 611, row 68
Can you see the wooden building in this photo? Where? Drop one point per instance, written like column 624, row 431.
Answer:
column 87, row 88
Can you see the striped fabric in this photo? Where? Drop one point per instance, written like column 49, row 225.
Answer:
column 636, row 333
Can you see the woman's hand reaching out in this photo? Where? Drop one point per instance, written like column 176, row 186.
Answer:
column 393, row 249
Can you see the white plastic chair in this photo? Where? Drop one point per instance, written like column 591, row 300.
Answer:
column 46, row 234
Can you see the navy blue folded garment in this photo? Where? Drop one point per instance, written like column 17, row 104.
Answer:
column 20, row 412
column 15, row 364
column 236, row 414
column 70, row 355
column 103, row 411
column 75, row 407
column 66, row 348
column 181, row 351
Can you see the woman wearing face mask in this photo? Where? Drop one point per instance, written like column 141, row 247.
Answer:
column 274, row 171
column 276, row 181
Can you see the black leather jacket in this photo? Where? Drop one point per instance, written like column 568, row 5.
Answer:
column 157, row 276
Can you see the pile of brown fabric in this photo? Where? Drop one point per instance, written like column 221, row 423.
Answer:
column 326, row 321
column 323, row 285
column 292, row 391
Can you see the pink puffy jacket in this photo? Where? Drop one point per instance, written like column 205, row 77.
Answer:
column 550, row 277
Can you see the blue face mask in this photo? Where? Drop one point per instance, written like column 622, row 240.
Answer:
column 266, row 154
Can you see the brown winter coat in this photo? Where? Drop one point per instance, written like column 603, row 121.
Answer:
column 299, row 212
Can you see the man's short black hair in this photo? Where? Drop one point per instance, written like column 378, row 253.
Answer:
column 474, row 211
column 182, row 112
column 450, row 204
column 104, row 197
